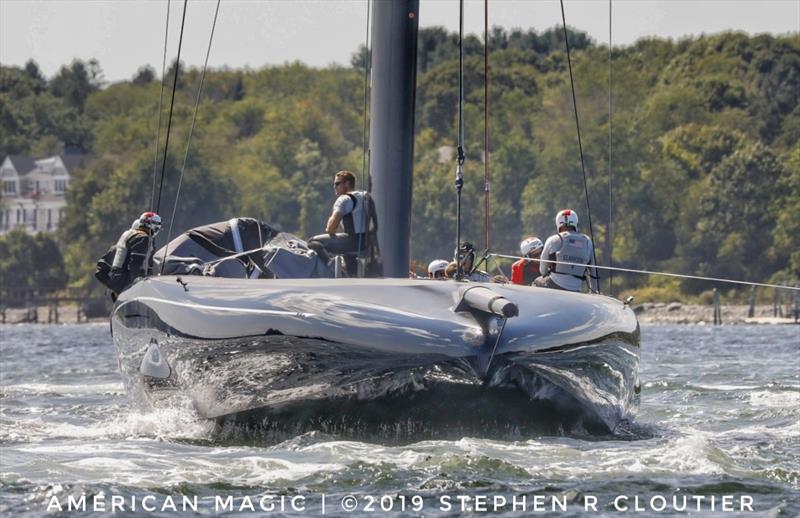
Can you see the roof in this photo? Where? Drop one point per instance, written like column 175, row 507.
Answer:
column 74, row 160
column 24, row 164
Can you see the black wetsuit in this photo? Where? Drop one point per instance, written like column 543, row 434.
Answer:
column 134, row 246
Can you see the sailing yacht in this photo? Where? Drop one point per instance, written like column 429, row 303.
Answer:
column 245, row 325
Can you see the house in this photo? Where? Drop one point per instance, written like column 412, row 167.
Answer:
column 33, row 191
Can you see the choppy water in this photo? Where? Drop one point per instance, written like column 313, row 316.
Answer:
column 720, row 415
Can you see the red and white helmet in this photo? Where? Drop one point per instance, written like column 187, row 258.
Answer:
column 437, row 266
column 567, row 217
column 150, row 221
column 530, row 244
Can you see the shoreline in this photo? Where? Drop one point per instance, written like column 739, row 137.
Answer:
column 703, row 314
column 67, row 314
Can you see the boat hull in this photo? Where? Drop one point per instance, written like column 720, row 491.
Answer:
column 384, row 357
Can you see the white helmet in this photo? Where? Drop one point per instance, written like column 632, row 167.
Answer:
column 530, row 244
column 567, row 217
column 150, row 221
column 437, row 266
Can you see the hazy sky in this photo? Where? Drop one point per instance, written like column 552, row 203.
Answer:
column 126, row 34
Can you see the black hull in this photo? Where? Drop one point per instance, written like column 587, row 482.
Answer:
column 439, row 412
column 276, row 385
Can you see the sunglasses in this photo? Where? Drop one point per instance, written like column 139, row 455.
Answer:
column 336, row 184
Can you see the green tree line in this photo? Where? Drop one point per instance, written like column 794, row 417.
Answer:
column 705, row 155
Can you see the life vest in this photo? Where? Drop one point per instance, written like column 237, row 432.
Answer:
column 525, row 271
column 362, row 221
column 362, row 218
column 112, row 267
column 575, row 248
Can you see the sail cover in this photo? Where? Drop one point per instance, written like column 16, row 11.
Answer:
column 240, row 248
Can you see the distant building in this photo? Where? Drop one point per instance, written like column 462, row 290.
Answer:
column 32, row 195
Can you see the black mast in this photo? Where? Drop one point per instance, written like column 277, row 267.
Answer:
column 391, row 133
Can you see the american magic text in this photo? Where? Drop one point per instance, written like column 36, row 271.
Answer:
column 322, row 503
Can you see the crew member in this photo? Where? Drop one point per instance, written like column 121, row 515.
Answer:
column 436, row 269
column 134, row 252
column 466, row 255
column 568, row 246
column 351, row 211
column 526, row 270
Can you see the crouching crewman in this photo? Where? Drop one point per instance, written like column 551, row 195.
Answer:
column 526, row 270
column 131, row 257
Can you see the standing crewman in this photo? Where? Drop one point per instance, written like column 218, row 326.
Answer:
column 132, row 255
column 356, row 213
column 526, row 270
column 568, row 246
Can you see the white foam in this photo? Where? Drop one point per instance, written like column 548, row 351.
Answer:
column 47, row 388
column 725, row 388
column 171, row 423
column 776, row 399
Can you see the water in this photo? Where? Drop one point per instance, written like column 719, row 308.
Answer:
column 720, row 415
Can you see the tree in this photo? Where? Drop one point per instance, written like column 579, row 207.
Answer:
column 75, row 83
column 697, row 148
column 170, row 74
column 30, row 262
column 96, row 76
column 360, row 58
column 734, row 226
column 247, row 117
column 38, row 82
column 786, row 230
column 19, row 83
column 312, row 183
column 705, row 130
column 144, row 76
column 512, row 165
column 238, row 91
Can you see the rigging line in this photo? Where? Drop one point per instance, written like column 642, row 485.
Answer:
column 460, row 157
column 171, row 106
column 487, row 179
column 189, row 141
column 494, row 349
column 461, row 75
column 160, row 104
column 578, row 127
column 364, row 160
column 665, row 274
column 609, row 233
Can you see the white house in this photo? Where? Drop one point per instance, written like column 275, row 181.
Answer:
column 33, row 191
